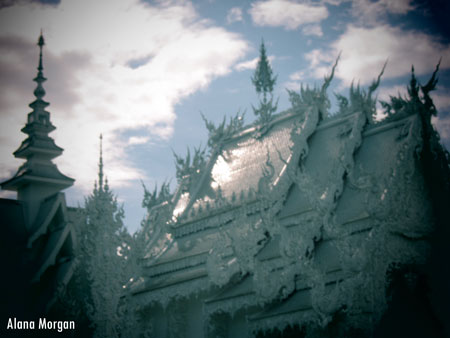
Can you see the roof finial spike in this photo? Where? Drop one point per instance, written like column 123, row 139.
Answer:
column 39, row 92
column 41, row 44
column 100, row 165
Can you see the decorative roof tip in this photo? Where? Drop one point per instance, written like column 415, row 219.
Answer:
column 100, row 165
column 329, row 78
column 39, row 92
column 41, row 44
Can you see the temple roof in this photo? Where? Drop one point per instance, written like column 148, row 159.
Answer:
column 241, row 163
column 31, row 251
column 287, row 217
column 38, row 144
column 13, row 222
column 251, row 162
column 234, row 172
column 38, row 173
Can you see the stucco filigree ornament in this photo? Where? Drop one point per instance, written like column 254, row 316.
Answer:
column 220, row 262
column 217, row 135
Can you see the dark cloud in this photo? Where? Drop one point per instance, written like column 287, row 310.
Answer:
column 63, row 74
column 437, row 12
column 16, row 71
column 8, row 3
column 18, row 67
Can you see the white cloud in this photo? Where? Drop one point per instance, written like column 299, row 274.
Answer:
column 294, row 81
column 334, row 2
column 384, row 93
column 134, row 140
column 234, row 15
column 316, row 57
column 287, row 14
column 251, row 64
column 441, row 99
column 442, row 125
column 370, row 12
column 398, row 6
column 297, row 76
column 292, row 85
column 180, row 53
column 319, row 63
column 314, row 30
column 365, row 50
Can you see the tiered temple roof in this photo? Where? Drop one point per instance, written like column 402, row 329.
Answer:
column 38, row 148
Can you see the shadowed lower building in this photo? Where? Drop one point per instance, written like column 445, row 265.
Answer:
column 305, row 224
column 37, row 240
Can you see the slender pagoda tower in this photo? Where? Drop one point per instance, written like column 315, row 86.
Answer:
column 38, row 178
column 37, row 239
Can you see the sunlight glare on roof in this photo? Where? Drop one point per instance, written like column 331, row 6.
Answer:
column 221, row 173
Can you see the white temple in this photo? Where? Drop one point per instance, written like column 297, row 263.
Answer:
column 302, row 224
column 293, row 226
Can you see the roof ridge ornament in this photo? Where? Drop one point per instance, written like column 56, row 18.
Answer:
column 39, row 92
column 264, row 81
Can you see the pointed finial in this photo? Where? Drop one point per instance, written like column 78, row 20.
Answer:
column 41, row 44
column 262, row 79
column 100, row 165
column 106, row 184
column 39, row 92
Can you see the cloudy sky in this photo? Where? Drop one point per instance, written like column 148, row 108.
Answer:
column 140, row 72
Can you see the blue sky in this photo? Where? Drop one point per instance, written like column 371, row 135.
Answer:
column 141, row 72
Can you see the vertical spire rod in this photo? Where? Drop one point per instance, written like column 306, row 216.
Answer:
column 100, row 165
column 41, row 43
column 39, row 92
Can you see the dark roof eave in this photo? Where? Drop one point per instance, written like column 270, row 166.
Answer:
column 16, row 182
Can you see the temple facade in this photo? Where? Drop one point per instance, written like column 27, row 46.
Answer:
column 37, row 239
column 301, row 224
